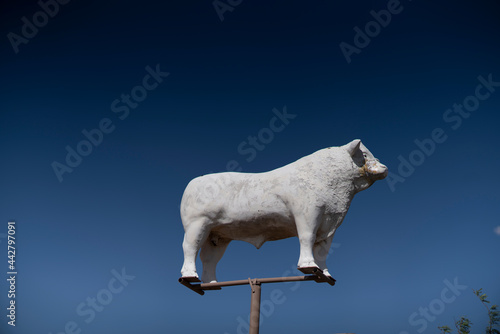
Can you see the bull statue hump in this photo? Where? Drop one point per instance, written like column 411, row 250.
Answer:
column 308, row 199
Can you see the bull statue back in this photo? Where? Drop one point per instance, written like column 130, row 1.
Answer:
column 308, row 199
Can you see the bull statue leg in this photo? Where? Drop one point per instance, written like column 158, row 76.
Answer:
column 320, row 251
column 196, row 232
column 306, row 230
column 211, row 253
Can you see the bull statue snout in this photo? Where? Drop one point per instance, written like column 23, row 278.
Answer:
column 376, row 170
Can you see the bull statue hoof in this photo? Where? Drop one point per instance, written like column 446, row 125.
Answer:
column 308, row 199
column 327, row 274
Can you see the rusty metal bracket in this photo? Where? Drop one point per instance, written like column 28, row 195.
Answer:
column 312, row 274
column 251, row 284
column 319, row 274
column 186, row 281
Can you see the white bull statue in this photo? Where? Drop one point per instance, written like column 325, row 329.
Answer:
column 307, row 199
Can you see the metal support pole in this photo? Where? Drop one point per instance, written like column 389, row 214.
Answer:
column 255, row 307
column 194, row 284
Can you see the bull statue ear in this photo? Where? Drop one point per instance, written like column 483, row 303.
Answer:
column 353, row 146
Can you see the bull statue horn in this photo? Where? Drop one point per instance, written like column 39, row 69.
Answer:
column 353, row 146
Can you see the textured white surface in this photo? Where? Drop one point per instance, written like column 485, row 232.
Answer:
column 308, row 198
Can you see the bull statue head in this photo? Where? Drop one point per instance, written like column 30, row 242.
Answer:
column 370, row 168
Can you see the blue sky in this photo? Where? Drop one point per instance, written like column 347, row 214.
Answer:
column 106, row 231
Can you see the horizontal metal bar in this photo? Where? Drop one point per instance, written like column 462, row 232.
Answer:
column 204, row 286
column 318, row 276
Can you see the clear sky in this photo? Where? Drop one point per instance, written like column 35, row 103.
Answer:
column 168, row 91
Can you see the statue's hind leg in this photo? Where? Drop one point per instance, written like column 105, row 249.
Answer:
column 196, row 232
column 211, row 252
